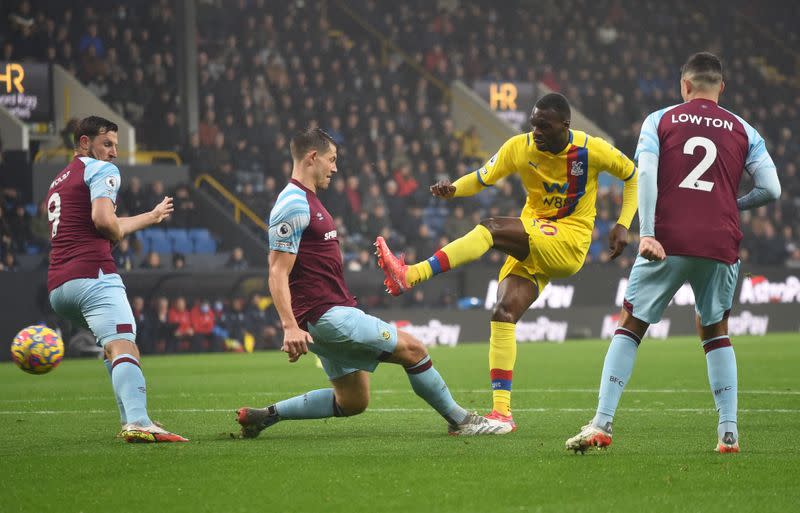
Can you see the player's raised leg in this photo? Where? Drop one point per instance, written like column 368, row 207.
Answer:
column 515, row 294
column 506, row 234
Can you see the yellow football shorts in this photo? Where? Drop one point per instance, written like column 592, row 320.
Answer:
column 558, row 250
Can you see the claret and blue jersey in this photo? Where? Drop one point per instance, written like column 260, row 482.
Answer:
column 78, row 249
column 702, row 150
column 301, row 225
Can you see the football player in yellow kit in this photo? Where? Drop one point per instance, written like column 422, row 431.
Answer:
column 559, row 168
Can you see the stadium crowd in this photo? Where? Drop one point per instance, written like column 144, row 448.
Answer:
column 177, row 325
column 267, row 69
column 124, row 53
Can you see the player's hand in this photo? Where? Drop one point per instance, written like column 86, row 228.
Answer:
column 163, row 210
column 651, row 249
column 617, row 240
column 295, row 343
column 443, row 189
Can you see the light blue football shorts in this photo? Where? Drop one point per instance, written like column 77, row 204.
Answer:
column 347, row 340
column 99, row 304
column 652, row 285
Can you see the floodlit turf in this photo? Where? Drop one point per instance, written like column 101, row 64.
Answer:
column 58, row 451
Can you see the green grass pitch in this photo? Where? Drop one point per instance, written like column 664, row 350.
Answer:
column 58, row 451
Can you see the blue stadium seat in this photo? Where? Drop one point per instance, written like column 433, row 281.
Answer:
column 160, row 245
column 195, row 233
column 205, row 244
column 32, row 249
column 181, row 243
column 159, row 242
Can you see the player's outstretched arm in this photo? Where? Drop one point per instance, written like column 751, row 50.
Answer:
column 115, row 228
column 142, row 221
column 295, row 340
column 467, row 185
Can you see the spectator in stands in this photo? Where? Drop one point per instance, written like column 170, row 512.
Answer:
column 236, row 319
column 163, row 328
column 92, row 40
column 406, row 183
column 457, row 223
column 364, row 260
column 145, row 335
column 167, row 135
column 153, row 261
column 218, row 153
column 133, row 200
column 203, row 323
column 178, row 261
column 374, row 198
column 20, row 226
column 263, row 323
column 182, row 319
column 771, row 247
column 237, row 261
column 208, row 129
column 194, row 156
column 123, row 255
column 252, row 200
column 156, row 194
column 184, row 214
column 10, row 262
column 225, row 176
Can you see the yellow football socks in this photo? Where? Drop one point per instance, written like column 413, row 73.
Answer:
column 502, row 356
column 461, row 251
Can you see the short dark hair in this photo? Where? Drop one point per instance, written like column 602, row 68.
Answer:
column 557, row 102
column 310, row 139
column 93, row 126
column 704, row 69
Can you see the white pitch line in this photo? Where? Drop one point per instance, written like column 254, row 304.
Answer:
column 408, row 410
column 406, row 391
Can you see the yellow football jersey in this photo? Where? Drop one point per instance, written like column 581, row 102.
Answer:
column 562, row 185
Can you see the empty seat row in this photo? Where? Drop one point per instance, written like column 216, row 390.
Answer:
column 177, row 240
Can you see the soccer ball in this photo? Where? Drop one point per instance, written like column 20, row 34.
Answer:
column 37, row 349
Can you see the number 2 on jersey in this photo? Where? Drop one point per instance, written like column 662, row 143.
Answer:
column 692, row 180
column 54, row 212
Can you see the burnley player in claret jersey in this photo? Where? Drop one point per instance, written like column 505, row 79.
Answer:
column 306, row 279
column 691, row 159
column 82, row 278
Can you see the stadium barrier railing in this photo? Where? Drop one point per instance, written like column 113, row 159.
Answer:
column 239, row 208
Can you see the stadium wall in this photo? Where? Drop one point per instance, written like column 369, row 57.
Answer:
column 15, row 134
column 586, row 306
